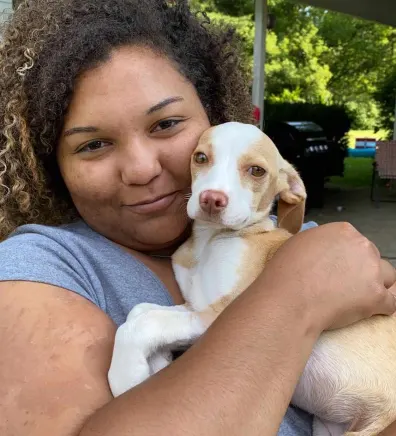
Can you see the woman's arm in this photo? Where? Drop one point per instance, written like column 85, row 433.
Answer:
column 55, row 347
column 390, row 431
column 57, row 350
column 238, row 379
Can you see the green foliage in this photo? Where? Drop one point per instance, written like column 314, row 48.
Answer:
column 320, row 57
column 386, row 95
column 203, row 5
column 294, row 68
column 295, row 71
column 244, row 26
column 234, row 7
column 364, row 110
column 360, row 54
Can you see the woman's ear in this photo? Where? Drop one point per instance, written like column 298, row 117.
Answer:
column 292, row 196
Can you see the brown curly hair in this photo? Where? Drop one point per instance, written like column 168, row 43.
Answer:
column 47, row 44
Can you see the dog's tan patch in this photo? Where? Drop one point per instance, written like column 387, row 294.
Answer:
column 204, row 146
column 262, row 153
column 260, row 249
column 254, row 157
column 292, row 196
column 184, row 255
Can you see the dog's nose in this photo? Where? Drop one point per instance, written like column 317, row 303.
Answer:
column 213, row 201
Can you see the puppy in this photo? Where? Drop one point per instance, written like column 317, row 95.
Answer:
column 237, row 173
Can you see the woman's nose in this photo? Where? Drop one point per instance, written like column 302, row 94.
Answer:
column 140, row 164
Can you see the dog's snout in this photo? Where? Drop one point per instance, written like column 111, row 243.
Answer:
column 213, row 201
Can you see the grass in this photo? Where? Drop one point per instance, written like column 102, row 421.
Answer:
column 358, row 173
column 353, row 134
column 358, row 170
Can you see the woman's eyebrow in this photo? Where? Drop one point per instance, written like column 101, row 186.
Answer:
column 155, row 108
column 74, row 130
column 164, row 103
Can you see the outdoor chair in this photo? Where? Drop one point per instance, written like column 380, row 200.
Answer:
column 384, row 169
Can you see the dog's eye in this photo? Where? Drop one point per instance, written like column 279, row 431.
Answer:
column 200, row 158
column 257, row 171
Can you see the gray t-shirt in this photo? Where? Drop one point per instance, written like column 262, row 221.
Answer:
column 77, row 258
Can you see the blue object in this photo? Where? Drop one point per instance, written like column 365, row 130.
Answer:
column 305, row 226
column 361, row 152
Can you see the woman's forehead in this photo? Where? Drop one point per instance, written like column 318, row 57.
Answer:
column 133, row 78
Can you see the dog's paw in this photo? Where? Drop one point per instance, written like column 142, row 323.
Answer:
column 160, row 360
column 127, row 370
column 142, row 308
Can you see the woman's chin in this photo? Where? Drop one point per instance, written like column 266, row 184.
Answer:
column 167, row 236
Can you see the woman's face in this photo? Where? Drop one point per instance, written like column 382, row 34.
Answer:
column 125, row 148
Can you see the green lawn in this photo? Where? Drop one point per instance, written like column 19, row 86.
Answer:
column 358, row 170
column 358, row 173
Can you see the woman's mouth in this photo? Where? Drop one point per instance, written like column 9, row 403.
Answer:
column 158, row 204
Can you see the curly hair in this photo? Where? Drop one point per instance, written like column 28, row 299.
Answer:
column 47, row 44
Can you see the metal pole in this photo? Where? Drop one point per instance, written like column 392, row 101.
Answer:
column 394, row 124
column 261, row 20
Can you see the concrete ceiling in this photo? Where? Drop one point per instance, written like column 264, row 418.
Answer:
column 382, row 11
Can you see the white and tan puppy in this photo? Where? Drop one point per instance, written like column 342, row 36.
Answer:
column 143, row 342
column 237, row 172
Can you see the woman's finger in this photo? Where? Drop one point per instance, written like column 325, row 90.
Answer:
column 388, row 273
column 390, row 301
column 375, row 249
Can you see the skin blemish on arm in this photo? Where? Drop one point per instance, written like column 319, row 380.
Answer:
column 60, row 346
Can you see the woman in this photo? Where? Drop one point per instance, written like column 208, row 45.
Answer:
column 102, row 103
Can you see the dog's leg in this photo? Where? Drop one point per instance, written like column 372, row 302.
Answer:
column 375, row 428
column 128, row 362
column 148, row 329
column 155, row 326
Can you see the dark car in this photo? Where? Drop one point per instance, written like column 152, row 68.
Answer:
column 314, row 155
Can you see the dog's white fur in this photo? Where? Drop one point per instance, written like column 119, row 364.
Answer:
column 349, row 382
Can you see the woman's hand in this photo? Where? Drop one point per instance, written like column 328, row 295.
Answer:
column 339, row 273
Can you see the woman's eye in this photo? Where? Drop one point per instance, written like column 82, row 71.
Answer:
column 165, row 125
column 94, row 146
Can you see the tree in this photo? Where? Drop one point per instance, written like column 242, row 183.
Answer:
column 360, row 55
column 295, row 68
column 317, row 56
column 235, row 8
column 386, row 96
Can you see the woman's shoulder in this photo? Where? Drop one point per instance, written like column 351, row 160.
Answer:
column 67, row 233
column 77, row 258
column 72, row 243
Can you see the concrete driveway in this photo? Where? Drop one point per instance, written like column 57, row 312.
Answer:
column 353, row 205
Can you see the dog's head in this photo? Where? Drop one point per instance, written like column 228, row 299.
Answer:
column 237, row 173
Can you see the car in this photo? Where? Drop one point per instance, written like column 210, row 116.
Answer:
column 317, row 157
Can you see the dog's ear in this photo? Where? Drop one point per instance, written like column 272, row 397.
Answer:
column 292, row 196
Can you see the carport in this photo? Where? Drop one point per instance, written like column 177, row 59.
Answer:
column 382, row 11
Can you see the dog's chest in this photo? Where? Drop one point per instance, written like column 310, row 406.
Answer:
column 217, row 272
